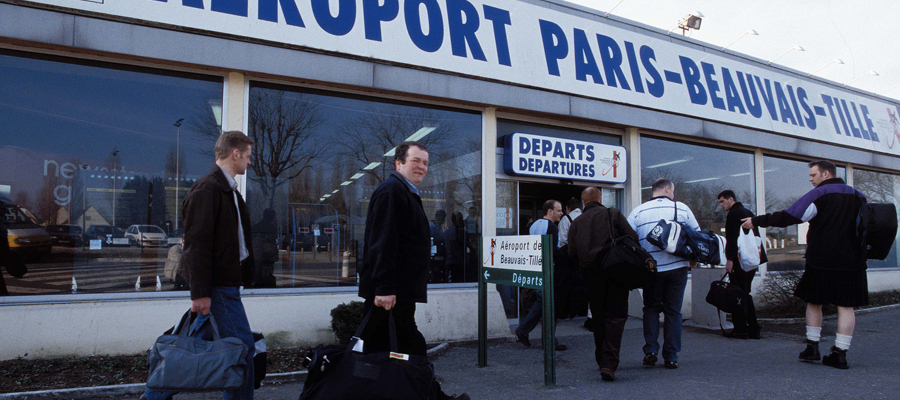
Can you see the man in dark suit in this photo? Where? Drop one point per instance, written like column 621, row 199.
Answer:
column 745, row 323
column 397, row 249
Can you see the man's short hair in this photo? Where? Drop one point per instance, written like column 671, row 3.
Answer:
column 572, row 204
column 229, row 141
column 825, row 166
column 403, row 149
column 661, row 184
column 727, row 194
column 548, row 205
column 591, row 194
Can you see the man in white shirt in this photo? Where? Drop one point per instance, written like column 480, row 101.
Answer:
column 665, row 293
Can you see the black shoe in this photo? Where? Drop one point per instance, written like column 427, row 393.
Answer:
column 737, row 334
column 589, row 325
column 650, row 360
column 811, row 353
column 837, row 358
column 607, row 375
column 671, row 364
column 754, row 334
column 522, row 338
column 561, row 347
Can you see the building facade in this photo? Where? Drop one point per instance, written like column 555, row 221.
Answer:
column 109, row 110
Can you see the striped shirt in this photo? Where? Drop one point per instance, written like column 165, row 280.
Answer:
column 645, row 216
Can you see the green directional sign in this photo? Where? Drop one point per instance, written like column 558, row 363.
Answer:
column 509, row 277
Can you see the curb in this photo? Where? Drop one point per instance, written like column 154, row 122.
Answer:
column 136, row 389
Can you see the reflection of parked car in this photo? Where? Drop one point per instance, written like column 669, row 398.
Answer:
column 106, row 233
column 304, row 242
column 146, row 235
column 65, row 235
column 26, row 237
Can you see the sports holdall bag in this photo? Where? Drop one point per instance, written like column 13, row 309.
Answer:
column 338, row 372
column 672, row 237
column 707, row 247
column 181, row 363
column 877, row 228
column 726, row 296
column 626, row 262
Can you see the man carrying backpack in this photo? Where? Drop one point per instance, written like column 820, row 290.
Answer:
column 835, row 262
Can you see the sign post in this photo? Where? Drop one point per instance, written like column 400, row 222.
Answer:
column 523, row 261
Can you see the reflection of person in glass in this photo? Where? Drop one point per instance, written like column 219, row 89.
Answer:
column 438, row 250
column 835, row 262
column 8, row 259
column 218, row 254
column 394, row 275
column 454, row 241
column 265, row 246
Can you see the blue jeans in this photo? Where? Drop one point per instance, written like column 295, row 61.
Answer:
column 534, row 316
column 664, row 294
column 232, row 321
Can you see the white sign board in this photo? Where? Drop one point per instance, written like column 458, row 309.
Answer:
column 513, row 260
column 551, row 157
column 534, row 46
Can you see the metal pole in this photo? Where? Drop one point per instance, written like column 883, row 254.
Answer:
column 549, row 316
column 177, row 167
column 482, row 308
column 115, row 155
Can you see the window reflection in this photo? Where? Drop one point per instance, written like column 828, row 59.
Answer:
column 786, row 182
column 89, row 150
column 700, row 173
column 319, row 156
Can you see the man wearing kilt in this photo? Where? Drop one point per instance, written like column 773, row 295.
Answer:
column 835, row 262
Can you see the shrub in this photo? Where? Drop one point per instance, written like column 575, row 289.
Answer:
column 345, row 318
column 777, row 295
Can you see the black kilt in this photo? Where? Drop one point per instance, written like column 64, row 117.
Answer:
column 841, row 288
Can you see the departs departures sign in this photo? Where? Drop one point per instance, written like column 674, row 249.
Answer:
column 523, row 261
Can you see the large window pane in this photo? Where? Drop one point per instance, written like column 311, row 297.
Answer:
column 880, row 187
column 786, row 182
column 94, row 169
column 319, row 156
column 700, row 173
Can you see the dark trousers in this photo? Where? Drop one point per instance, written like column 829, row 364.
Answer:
column 376, row 336
column 609, row 307
column 744, row 320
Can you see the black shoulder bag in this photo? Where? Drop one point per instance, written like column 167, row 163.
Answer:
column 626, row 262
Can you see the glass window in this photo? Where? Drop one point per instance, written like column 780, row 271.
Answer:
column 880, row 187
column 700, row 173
column 319, row 156
column 786, row 182
column 92, row 146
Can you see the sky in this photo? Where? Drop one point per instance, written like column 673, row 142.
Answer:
column 864, row 34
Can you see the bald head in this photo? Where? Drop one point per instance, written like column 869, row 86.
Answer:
column 591, row 194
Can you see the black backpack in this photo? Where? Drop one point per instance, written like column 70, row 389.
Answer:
column 876, row 228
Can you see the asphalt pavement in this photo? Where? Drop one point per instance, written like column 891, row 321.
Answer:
column 710, row 367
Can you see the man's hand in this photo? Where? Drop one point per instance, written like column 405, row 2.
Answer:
column 729, row 266
column 201, row 305
column 747, row 223
column 693, row 264
column 386, row 302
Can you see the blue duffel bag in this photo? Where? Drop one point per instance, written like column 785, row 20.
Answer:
column 671, row 237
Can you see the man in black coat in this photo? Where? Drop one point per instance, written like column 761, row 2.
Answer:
column 589, row 241
column 397, row 249
column 835, row 261
column 745, row 323
column 218, row 254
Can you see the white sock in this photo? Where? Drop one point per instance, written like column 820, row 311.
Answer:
column 813, row 333
column 842, row 341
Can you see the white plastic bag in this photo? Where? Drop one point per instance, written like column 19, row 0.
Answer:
column 749, row 249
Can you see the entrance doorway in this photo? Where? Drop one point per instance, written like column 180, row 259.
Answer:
column 533, row 195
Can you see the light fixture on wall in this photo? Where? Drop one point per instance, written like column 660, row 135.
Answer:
column 872, row 73
column 834, row 61
column 796, row 47
column 688, row 22
column 750, row 32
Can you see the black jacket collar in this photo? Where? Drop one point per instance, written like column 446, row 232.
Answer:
column 832, row 181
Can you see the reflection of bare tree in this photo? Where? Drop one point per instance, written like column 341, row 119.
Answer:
column 371, row 134
column 876, row 186
column 284, row 126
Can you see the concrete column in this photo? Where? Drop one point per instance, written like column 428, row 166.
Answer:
column 489, row 172
column 760, row 174
column 632, row 143
column 234, row 112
